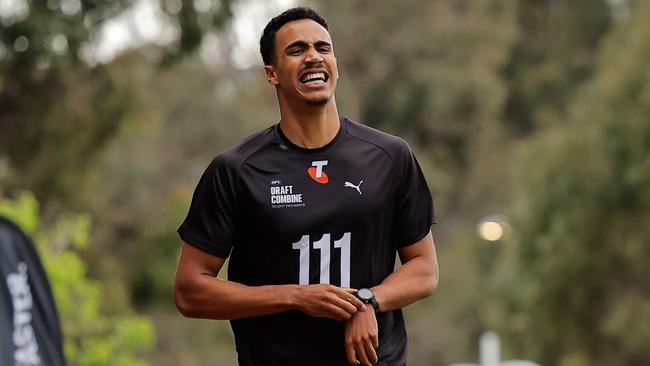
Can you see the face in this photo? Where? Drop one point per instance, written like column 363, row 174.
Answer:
column 304, row 68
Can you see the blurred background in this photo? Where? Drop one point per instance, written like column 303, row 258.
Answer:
column 530, row 119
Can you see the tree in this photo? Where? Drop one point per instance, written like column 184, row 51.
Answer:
column 580, row 285
column 551, row 59
column 58, row 107
column 93, row 336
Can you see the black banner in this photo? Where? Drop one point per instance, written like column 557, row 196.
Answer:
column 30, row 334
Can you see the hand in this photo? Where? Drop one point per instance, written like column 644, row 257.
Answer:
column 327, row 301
column 362, row 338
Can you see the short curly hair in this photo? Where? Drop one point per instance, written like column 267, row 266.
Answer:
column 267, row 41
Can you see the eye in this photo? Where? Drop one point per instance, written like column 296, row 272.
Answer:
column 295, row 51
column 324, row 49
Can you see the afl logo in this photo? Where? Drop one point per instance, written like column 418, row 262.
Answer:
column 317, row 173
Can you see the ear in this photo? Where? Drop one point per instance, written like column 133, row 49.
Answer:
column 271, row 76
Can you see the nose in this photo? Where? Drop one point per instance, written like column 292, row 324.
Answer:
column 313, row 56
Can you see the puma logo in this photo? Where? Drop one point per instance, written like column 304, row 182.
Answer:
column 357, row 187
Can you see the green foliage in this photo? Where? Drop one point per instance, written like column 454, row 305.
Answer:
column 58, row 106
column 559, row 87
column 430, row 79
column 92, row 337
column 551, row 59
column 582, row 250
column 23, row 211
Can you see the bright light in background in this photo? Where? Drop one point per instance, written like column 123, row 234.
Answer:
column 13, row 11
column 143, row 23
column 210, row 49
column 620, row 8
column 203, row 6
column 493, row 228
column 21, row 44
column 490, row 230
column 70, row 7
column 249, row 19
column 146, row 23
column 59, row 44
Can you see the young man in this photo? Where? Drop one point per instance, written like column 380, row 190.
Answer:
column 312, row 212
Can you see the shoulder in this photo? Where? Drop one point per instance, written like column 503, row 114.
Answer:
column 235, row 156
column 394, row 146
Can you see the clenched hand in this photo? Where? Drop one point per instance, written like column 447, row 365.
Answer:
column 328, row 301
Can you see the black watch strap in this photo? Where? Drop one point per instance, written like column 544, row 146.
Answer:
column 375, row 304
column 368, row 297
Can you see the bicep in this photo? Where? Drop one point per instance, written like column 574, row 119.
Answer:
column 196, row 269
column 195, row 262
column 423, row 248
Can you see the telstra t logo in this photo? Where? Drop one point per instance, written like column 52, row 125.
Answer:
column 317, row 173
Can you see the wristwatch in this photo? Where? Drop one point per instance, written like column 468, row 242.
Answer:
column 367, row 297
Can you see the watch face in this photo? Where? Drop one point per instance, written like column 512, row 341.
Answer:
column 365, row 294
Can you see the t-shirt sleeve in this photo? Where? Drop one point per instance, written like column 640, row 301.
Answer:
column 209, row 224
column 415, row 212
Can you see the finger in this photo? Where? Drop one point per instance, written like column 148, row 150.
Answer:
column 349, row 296
column 337, row 313
column 347, row 306
column 360, row 349
column 349, row 290
column 356, row 302
column 370, row 351
column 349, row 352
column 375, row 340
column 344, row 303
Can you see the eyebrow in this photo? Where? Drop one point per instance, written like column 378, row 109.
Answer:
column 304, row 44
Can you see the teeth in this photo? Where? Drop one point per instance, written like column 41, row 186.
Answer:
column 312, row 82
column 316, row 75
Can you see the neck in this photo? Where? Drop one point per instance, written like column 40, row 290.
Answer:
column 312, row 126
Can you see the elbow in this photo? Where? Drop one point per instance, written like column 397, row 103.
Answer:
column 184, row 308
column 183, row 301
column 434, row 284
column 434, row 275
column 191, row 302
column 431, row 284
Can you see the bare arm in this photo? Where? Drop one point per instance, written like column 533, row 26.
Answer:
column 417, row 278
column 200, row 294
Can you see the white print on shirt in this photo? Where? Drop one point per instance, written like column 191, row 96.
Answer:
column 357, row 187
column 319, row 164
column 284, row 196
column 317, row 173
column 324, row 246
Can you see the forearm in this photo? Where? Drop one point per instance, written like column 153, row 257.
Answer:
column 200, row 294
column 414, row 280
column 213, row 298
column 417, row 278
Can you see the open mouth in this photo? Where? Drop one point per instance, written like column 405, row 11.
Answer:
column 314, row 78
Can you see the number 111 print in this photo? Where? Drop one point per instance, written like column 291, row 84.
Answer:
column 324, row 245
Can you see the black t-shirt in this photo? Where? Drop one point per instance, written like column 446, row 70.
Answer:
column 288, row 215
